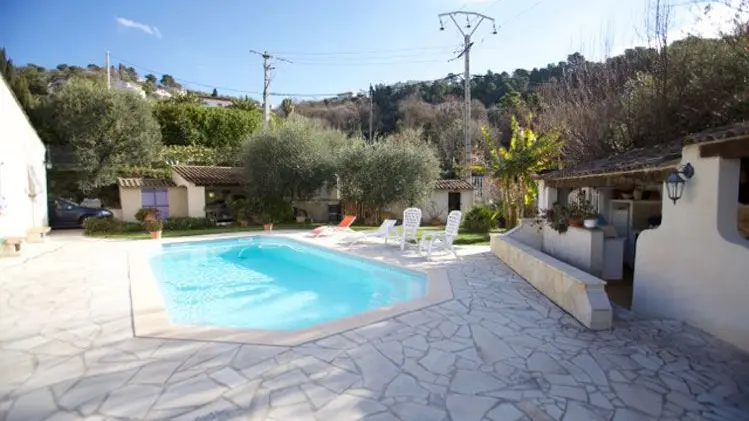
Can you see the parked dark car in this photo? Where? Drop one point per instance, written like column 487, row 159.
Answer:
column 66, row 214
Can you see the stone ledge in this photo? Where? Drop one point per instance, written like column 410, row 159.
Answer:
column 577, row 292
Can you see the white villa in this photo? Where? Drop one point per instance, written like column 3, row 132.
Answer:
column 673, row 235
column 23, row 175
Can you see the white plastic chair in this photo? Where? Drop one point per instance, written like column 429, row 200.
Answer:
column 410, row 226
column 381, row 232
column 442, row 240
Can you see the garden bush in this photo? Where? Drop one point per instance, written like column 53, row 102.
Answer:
column 106, row 226
column 102, row 226
column 480, row 219
column 186, row 223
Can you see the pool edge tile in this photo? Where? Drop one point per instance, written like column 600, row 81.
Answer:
column 150, row 318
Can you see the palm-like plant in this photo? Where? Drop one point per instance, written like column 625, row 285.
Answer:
column 514, row 166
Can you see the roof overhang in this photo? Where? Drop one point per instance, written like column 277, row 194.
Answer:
column 650, row 175
column 730, row 148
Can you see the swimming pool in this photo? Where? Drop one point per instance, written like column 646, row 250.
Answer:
column 265, row 282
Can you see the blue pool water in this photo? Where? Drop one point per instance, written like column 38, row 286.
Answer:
column 273, row 283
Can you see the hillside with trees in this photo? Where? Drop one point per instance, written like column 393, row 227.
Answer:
column 643, row 96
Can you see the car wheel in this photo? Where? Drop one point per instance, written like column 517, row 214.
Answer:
column 83, row 218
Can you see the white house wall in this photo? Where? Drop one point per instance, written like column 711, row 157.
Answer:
column 20, row 147
column 195, row 196
column 580, row 247
column 437, row 206
column 695, row 266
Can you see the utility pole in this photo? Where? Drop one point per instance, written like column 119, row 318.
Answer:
column 466, row 53
column 266, row 83
column 109, row 78
column 371, row 112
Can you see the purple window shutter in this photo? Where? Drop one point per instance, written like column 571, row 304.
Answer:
column 158, row 199
column 162, row 203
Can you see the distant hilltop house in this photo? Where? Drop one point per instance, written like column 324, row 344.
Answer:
column 130, row 86
column 161, row 94
column 215, row 101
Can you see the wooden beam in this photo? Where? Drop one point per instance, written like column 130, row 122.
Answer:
column 732, row 149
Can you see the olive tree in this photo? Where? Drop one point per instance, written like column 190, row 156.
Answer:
column 290, row 161
column 105, row 130
column 402, row 168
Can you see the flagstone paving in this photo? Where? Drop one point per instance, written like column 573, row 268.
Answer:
column 498, row 351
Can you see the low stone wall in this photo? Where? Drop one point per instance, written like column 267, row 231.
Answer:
column 577, row 292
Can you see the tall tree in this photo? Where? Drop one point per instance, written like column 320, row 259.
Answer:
column 105, row 129
column 16, row 81
column 292, row 161
column 169, row 82
column 287, row 106
column 401, row 168
column 214, row 93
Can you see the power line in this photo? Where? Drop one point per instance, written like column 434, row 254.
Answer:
column 206, row 85
column 223, row 88
column 359, row 52
column 364, row 63
column 521, row 13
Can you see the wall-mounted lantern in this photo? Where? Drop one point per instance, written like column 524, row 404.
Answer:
column 677, row 179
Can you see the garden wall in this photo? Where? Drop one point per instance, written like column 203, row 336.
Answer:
column 580, row 294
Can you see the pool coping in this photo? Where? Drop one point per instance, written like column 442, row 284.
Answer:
column 150, row 318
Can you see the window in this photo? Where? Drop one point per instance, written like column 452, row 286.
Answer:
column 158, row 199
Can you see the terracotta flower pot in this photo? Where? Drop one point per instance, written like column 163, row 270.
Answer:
column 575, row 222
column 268, row 227
column 156, row 235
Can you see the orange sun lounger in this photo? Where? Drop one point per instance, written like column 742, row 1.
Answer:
column 344, row 225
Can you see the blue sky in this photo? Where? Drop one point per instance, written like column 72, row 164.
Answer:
column 336, row 45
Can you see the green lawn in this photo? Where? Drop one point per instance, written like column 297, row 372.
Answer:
column 463, row 238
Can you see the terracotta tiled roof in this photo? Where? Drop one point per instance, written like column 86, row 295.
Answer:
column 135, row 182
column 649, row 158
column 211, row 176
column 453, row 185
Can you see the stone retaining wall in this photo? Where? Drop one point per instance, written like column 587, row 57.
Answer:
column 577, row 292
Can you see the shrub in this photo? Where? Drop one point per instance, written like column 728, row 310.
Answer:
column 480, row 219
column 153, row 226
column 105, row 226
column 144, row 212
column 186, row 223
column 94, row 226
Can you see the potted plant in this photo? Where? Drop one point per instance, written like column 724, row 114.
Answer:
column 557, row 218
column 574, row 216
column 154, row 226
column 582, row 212
column 273, row 211
column 147, row 214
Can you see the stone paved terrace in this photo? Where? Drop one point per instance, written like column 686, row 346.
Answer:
column 499, row 351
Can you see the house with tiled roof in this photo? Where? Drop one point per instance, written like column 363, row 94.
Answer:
column 671, row 239
column 205, row 191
